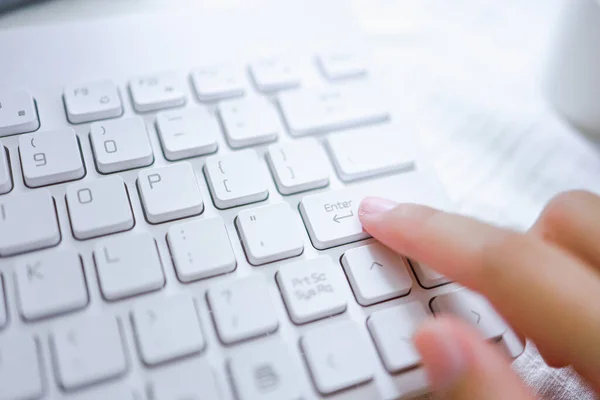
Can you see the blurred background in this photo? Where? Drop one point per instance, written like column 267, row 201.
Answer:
column 467, row 72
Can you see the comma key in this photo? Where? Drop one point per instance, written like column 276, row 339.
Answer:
column 332, row 218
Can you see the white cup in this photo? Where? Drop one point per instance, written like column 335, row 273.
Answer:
column 572, row 82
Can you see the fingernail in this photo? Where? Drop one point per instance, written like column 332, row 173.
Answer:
column 448, row 365
column 375, row 205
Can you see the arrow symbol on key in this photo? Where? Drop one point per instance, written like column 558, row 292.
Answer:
column 478, row 316
column 407, row 340
column 337, row 218
column 375, row 263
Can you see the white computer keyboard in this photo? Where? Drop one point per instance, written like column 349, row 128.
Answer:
column 192, row 234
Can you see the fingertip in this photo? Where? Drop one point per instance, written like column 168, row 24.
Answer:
column 397, row 225
column 460, row 364
column 371, row 207
column 444, row 358
column 376, row 206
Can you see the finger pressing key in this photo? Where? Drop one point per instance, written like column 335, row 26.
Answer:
column 572, row 221
column 542, row 291
column 460, row 365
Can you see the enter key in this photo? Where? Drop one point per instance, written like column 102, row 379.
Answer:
column 331, row 218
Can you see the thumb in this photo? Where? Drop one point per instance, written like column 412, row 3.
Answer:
column 460, row 364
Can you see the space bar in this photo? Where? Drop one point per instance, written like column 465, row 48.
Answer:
column 309, row 111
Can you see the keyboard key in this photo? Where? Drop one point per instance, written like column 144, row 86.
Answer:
column 376, row 273
column 99, row 207
column 473, row 309
column 427, row 276
column 121, row 145
column 310, row 111
column 50, row 284
column 368, row 152
column 155, row 92
column 27, row 222
column 265, row 371
column 332, row 218
column 110, row 392
column 392, row 330
column 3, row 312
column 337, row 356
column 20, row 368
column 312, row 289
column 88, row 353
column 218, row 82
column 242, row 309
column 341, row 65
column 187, row 133
column 92, row 101
column 190, row 380
column 269, row 233
column 128, row 265
column 168, row 330
column 50, row 157
column 5, row 175
column 249, row 121
column 200, row 249
column 291, row 171
column 18, row 113
column 169, row 193
column 273, row 73
column 236, row 179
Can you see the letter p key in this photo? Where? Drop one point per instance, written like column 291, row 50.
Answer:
column 153, row 179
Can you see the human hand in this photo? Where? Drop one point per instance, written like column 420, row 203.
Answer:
column 545, row 283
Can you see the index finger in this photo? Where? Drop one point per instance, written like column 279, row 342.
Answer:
column 541, row 290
